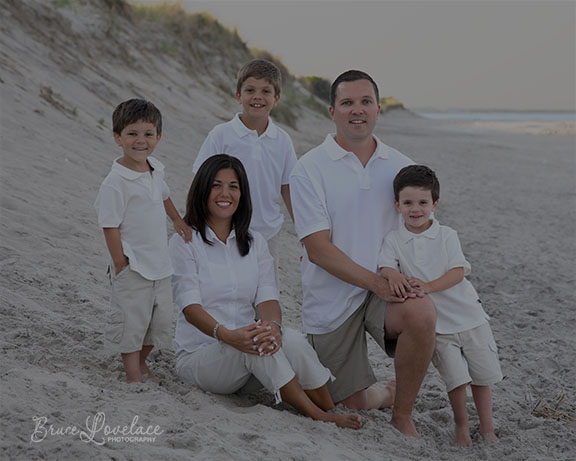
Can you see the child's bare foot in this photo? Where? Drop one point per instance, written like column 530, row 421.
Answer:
column 350, row 421
column 148, row 375
column 405, row 425
column 490, row 436
column 463, row 438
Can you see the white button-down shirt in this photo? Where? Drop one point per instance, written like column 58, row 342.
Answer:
column 331, row 190
column 133, row 202
column 224, row 283
column 428, row 256
column 268, row 160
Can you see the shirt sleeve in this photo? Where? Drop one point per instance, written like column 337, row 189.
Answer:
column 185, row 280
column 387, row 256
column 310, row 212
column 110, row 206
column 290, row 161
column 165, row 191
column 266, row 273
column 456, row 257
column 209, row 148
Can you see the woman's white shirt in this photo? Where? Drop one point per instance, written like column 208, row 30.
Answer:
column 224, row 283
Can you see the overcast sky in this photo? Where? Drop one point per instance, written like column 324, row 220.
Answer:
column 500, row 54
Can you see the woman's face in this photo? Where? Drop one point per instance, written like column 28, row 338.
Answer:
column 224, row 196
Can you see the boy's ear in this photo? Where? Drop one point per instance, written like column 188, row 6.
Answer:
column 435, row 205
column 276, row 99
column 397, row 205
column 238, row 97
column 117, row 138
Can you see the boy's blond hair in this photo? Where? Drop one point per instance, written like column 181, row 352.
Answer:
column 260, row 68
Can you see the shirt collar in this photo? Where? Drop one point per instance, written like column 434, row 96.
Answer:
column 129, row 174
column 242, row 130
column 430, row 233
column 336, row 151
column 211, row 235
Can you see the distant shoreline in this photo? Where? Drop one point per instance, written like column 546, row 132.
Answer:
column 498, row 115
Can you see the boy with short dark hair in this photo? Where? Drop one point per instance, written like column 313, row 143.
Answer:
column 132, row 205
column 426, row 255
column 265, row 150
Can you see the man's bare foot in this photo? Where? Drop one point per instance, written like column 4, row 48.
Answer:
column 387, row 395
column 350, row 421
column 463, row 438
column 490, row 436
column 405, row 426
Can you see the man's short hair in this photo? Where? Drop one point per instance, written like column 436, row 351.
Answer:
column 352, row 76
column 260, row 68
column 136, row 110
column 417, row 176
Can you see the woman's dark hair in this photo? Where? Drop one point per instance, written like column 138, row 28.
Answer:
column 197, row 202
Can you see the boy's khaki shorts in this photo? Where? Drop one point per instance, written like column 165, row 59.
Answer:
column 344, row 351
column 140, row 312
column 469, row 356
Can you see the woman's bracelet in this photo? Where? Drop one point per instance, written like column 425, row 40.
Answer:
column 279, row 325
column 214, row 332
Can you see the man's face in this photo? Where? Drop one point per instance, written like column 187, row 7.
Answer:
column 355, row 111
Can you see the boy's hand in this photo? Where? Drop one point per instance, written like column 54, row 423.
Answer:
column 399, row 285
column 121, row 265
column 183, row 230
column 419, row 285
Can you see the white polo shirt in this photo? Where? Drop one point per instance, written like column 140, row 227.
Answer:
column 134, row 203
column 428, row 256
column 331, row 190
column 268, row 160
column 224, row 283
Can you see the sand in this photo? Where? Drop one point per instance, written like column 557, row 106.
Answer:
column 510, row 193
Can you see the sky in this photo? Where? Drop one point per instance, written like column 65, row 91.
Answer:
column 442, row 54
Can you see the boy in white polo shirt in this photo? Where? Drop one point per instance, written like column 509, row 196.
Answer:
column 265, row 149
column 424, row 254
column 132, row 205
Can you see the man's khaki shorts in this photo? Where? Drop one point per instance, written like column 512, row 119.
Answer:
column 140, row 312
column 344, row 351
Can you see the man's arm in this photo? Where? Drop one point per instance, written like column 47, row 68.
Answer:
column 285, row 192
column 322, row 252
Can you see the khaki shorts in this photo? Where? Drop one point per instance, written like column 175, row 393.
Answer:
column 344, row 351
column 469, row 356
column 140, row 312
column 222, row 369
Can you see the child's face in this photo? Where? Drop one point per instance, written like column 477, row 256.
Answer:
column 415, row 204
column 137, row 140
column 257, row 98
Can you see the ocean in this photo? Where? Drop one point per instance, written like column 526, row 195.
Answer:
column 499, row 116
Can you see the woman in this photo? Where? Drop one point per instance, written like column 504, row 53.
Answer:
column 217, row 279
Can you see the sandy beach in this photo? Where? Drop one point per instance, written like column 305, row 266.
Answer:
column 509, row 191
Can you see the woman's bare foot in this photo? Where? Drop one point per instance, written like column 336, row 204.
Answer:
column 463, row 438
column 490, row 436
column 405, row 426
column 349, row 421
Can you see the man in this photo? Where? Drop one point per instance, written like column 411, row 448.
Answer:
column 343, row 204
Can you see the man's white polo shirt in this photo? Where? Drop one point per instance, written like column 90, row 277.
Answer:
column 134, row 203
column 428, row 256
column 268, row 160
column 331, row 190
